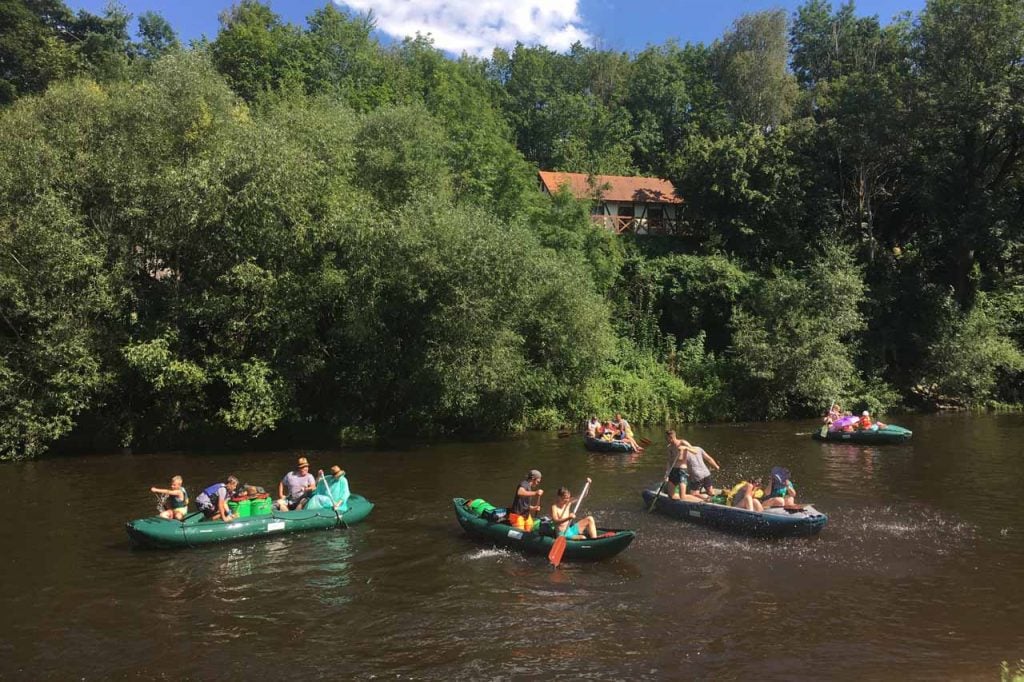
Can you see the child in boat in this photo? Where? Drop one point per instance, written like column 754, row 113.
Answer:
column 175, row 506
column 565, row 521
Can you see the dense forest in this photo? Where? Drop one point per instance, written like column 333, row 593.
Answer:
column 297, row 233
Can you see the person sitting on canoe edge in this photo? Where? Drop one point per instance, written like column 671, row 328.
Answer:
column 565, row 521
column 865, row 422
column 833, row 414
column 697, row 461
column 626, row 432
column 592, row 426
column 299, row 484
column 213, row 501
column 521, row 504
column 175, row 506
column 744, row 495
column 781, row 492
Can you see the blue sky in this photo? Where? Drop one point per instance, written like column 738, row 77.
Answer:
column 476, row 26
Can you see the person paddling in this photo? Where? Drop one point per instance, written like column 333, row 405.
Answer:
column 565, row 520
column 525, row 502
column 677, row 468
column 175, row 506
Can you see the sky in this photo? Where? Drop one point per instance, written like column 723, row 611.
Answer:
column 477, row 26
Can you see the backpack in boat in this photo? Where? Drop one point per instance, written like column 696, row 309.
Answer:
column 479, row 507
column 495, row 515
column 546, row 527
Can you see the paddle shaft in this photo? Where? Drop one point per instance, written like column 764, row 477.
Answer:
column 580, row 500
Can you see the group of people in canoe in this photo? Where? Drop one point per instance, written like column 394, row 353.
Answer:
column 296, row 490
column 617, row 429
column 837, row 420
column 526, row 502
column 689, row 479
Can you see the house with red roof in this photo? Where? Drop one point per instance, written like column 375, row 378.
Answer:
column 622, row 203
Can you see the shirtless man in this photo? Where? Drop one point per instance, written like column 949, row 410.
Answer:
column 677, row 470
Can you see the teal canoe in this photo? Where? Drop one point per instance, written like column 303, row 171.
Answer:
column 504, row 535
column 195, row 530
column 891, row 434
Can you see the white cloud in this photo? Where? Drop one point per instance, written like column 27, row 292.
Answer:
column 478, row 26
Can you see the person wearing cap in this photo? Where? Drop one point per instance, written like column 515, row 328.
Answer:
column 526, row 501
column 299, row 484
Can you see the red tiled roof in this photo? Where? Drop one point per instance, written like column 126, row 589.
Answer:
column 613, row 187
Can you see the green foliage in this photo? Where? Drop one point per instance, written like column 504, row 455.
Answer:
column 972, row 352
column 751, row 62
column 298, row 229
column 792, row 346
column 637, row 383
column 563, row 224
column 400, row 154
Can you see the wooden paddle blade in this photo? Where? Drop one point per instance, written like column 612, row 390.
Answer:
column 557, row 550
column 564, row 434
column 645, row 442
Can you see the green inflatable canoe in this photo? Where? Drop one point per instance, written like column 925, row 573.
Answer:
column 891, row 434
column 504, row 535
column 195, row 531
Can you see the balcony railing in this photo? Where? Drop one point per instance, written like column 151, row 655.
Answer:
column 620, row 224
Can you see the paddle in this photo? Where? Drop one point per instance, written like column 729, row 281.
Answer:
column 558, row 548
column 824, row 427
column 644, row 442
column 564, row 434
column 657, row 491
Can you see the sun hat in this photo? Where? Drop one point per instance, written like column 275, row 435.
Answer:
column 303, row 462
column 533, row 473
column 865, row 413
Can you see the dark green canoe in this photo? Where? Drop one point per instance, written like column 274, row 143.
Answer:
column 504, row 535
column 195, row 531
column 891, row 434
column 613, row 446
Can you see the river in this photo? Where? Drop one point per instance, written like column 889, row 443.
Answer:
column 918, row 575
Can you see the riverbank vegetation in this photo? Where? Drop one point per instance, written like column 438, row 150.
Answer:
column 296, row 231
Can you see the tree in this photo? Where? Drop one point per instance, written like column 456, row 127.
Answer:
column 157, row 36
column 257, row 53
column 751, row 64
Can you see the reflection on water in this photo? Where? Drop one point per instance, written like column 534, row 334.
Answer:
column 919, row 571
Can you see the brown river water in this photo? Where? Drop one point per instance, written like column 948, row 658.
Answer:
column 918, row 575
